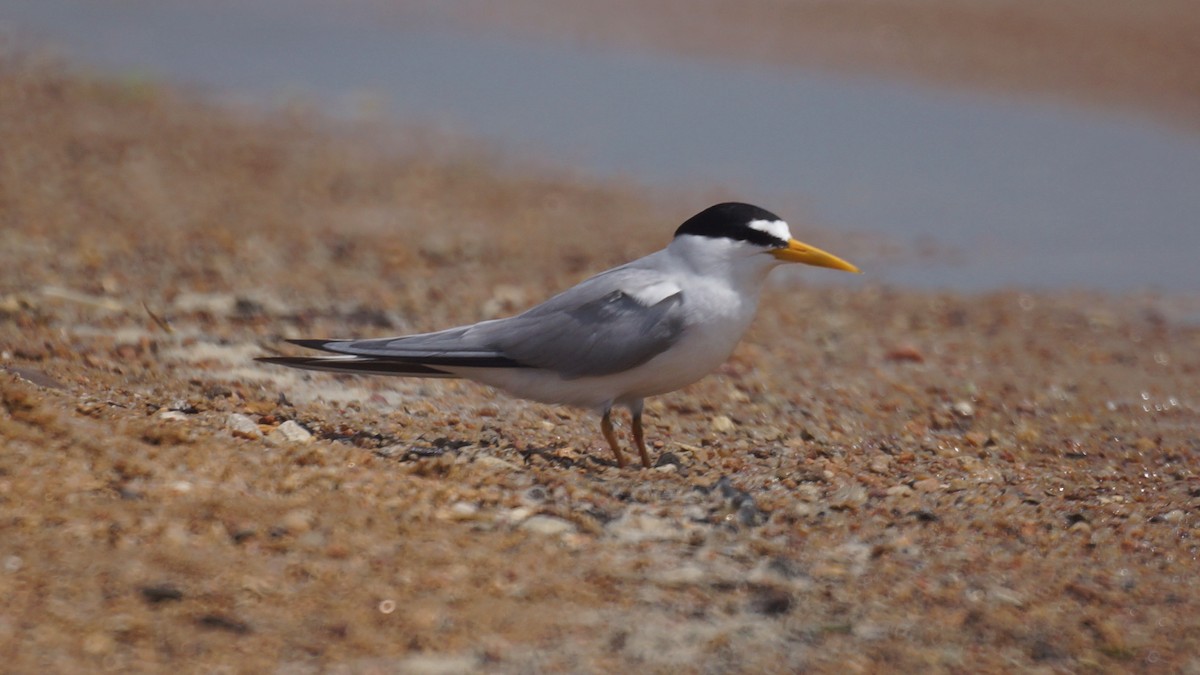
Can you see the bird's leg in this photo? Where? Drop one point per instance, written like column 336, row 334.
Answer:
column 611, row 437
column 639, row 437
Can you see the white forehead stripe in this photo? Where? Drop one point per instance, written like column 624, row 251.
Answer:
column 775, row 228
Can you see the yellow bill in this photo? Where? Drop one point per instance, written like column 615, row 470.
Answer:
column 800, row 252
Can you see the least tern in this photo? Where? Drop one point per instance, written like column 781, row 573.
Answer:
column 645, row 328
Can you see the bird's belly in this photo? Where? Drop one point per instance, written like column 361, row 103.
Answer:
column 688, row 361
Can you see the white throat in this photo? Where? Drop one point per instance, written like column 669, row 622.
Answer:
column 738, row 264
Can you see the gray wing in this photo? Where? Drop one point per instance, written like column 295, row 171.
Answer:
column 602, row 326
column 595, row 330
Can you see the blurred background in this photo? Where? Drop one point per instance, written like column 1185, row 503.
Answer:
column 962, row 145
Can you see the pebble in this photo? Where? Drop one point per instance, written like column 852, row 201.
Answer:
column 808, row 492
column 987, row 474
column 290, row 432
column 495, row 464
column 1173, row 516
column 881, row 464
column 1006, row 596
column 722, row 424
column 687, row 574
column 905, row 354
column 976, row 439
column 633, row 527
column 806, row 509
column 849, row 496
column 216, row 304
column 241, row 426
column 459, row 511
column 432, row 664
column 518, row 514
column 548, row 525
column 298, row 521
column 98, row 644
column 927, row 485
column 173, row 415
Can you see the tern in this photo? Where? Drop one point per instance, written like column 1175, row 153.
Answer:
column 645, row 328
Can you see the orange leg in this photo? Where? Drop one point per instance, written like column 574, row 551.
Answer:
column 639, row 437
column 611, row 437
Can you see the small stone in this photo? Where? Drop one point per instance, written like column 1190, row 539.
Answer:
column 518, row 514
column 687, row 574
column 722, row 424
column 806, row 509
column 987, row 474
column 430, row 664
column 215, row 304
column 160, row 593
column 1006, row 596
column 905, row 354
column 290, row 432
column 633, row 527
column 772, row 602
column 963, row 409
column 1173, row 516
column 172, row 415
column 98, row 644
column 829, row 571
column 180, row 486
column 242, row 426
column 849, row 496
column 698, row 454
column 808, row 492
column 459, row 511
column 298, row 521
column 927, row 485
column 495, row 464
column 975, row 439
column 1144, row 444
column 881, row 464
column 548, row 525
column 1028, row 433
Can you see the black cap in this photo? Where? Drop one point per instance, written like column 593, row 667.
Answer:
column 731, row 220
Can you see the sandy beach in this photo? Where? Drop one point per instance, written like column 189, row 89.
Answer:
column 880, row 479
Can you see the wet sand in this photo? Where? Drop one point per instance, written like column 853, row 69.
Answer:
column 1134, row 57
column 879, row 479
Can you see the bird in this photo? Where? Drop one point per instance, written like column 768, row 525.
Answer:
column 641, row 329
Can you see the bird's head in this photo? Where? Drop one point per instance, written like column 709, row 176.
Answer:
column 734, row 231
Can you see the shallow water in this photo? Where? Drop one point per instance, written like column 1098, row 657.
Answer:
column 1006, row 192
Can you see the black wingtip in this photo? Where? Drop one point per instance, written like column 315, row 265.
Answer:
column 318, row 344
column 362, row 366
